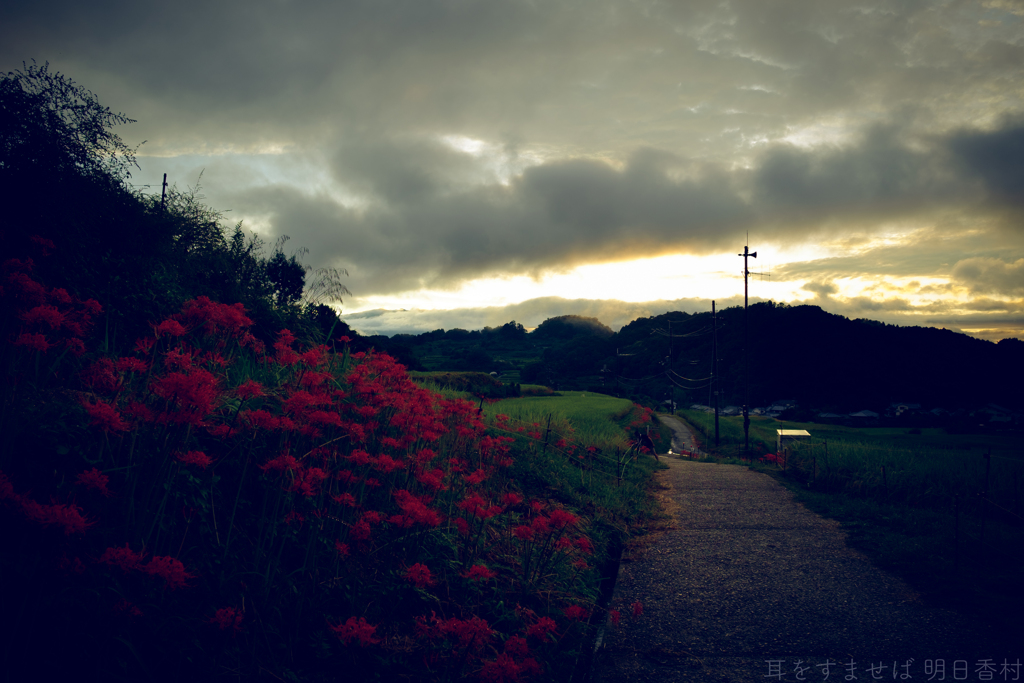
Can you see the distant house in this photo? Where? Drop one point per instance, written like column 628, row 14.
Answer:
column 731, row 410
column 697, row 406
column 865, row 415
column 785, row 437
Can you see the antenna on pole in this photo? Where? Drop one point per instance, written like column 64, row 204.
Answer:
column 746, row 353
column 163, row 193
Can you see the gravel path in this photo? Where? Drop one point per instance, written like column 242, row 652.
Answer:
column 746, row 584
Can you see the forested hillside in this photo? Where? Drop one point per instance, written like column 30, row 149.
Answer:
column 795, row 352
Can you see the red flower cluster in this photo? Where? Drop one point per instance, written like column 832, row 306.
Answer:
column 195, row 458
column 228, row 618
column 419, row 576
column 95, row 480
column 356, row 630
column 66, row 516
column 50, row 318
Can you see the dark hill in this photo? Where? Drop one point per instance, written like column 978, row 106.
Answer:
column 820, row 359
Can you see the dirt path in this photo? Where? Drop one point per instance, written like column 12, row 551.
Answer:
column 746, row 584
column 682, row 437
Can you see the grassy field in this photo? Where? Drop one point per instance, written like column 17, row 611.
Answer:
column 943, row 511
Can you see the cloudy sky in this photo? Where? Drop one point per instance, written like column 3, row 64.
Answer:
column 469, row 162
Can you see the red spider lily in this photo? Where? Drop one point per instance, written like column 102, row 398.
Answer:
column 346, row 499
column 359, row 457
column 171, row 328
column 125, row 558
column 475, row 478
column 419, row 575
column 69, row 516
column 192, row 396
column 424, row 456
column 75, row 346
column 131, row 364
column 477, row 506
column 44, row 315
column 60, row 296
column 283, row 353
column 542, row 628
column 363, row 528
column 34, row 341
column 576, row 613
column 479, row 572
column 294, row 516
column 94, row 479
column 616, row 616
column 260, row 419
column 227, row 618
column 144, row 344
column 541, row 525
column 171, row 570
column 416, row 508
column 138, row 412
column 197, row 458
column 249, row 389
column 356, row 630
column 584, row 545
column 26, row 289
column 462, row 526
column 214, row 317
column 102, row 376
column 105, row 416
column 561, row 519
column 386, row 464
column 517, row 646
column 433, row 480
column 308, row 481
column 511, row 499
column 504, row 669
column 282, row 463
column 638, row 608
column 312, row 379
column 341, row 548
column 472, row 633
column 45, row 245
column 523, row 532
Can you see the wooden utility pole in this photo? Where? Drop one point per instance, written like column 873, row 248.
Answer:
column 163, row 193
column 746, row 353
column 714, row 365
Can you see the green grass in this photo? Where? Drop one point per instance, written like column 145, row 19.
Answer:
column 596, row 419
column 603, row 480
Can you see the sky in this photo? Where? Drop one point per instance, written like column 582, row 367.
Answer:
column 472, row 162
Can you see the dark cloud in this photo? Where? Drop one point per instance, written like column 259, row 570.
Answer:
column 606, row 129
column 997, row 158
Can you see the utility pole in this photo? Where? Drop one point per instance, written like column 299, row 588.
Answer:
column 668, row 372
column 714, row 365
column 746, row 353
column 163, row 193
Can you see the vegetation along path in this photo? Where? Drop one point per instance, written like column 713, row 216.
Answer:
column 746, row 584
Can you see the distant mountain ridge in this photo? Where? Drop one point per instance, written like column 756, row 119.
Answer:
column 802, row 352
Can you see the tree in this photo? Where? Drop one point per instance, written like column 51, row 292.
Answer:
column 47, row 121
